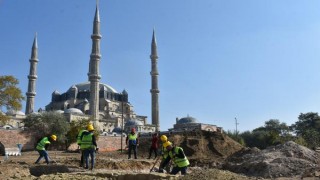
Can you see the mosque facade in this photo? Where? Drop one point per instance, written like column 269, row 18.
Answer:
column 109, row 110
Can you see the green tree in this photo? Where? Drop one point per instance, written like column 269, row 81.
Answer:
column 10, row 96
column 308, row 127
column 75, row 127
column 235, row 136
column 272, row 133
column 47, row 123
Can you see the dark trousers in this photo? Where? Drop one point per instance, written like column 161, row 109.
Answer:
column 43, row 154
column 155, row 150
column 86, row 154
column 82, row 158
column 167, row 167
column 176, row 169
column 134, row 148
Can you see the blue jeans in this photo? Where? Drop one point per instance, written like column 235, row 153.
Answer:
column 43, row 154
column 176, row 169
column 86, row 154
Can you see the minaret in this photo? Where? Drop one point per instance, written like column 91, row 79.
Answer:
column 154, row 80
column 93, row 74
column 32, row 77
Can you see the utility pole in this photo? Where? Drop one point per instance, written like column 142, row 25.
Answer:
column 122, row 121
column 236, row 127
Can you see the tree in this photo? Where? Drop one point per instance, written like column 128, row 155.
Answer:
column 272, row 133
column 47, row 123
column 10, row 96
column 75, row 127
column 308, row 127
column 234, row 135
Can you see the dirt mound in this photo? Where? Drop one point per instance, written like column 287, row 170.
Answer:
column 201, row 173
column 205, row 149
column 284, row 160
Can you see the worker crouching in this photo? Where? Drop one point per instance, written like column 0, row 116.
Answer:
column 178, row 157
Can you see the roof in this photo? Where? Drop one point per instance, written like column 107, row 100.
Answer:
column 186, row 120
column 14, row 112
column 86, row 87
column 73, row 111
column 133, row 122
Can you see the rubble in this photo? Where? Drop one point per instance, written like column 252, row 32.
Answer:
column 284, row 160
column 212, row 156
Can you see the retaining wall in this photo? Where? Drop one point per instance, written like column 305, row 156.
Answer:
column 10, row 138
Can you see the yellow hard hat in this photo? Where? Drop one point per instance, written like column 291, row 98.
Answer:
column 53, row 137
column 164, row 138
column 90, row 127
column 166, row 144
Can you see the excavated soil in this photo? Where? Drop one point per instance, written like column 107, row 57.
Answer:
column 211, row 155
column 109, row 165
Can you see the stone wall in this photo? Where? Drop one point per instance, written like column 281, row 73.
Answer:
column 10, row 138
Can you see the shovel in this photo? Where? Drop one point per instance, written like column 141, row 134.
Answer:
column 154, row 164
column 51, row 160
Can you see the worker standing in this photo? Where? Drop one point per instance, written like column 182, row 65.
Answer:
column 89, row 146
column 132, row 141
column 42, row 147
column 79, row 145
column 178, row 157
column 164, row 153
column 154, row 146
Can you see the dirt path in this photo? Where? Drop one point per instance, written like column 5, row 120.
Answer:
column 109, row 165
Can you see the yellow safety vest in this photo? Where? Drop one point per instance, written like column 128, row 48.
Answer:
column 41, row 145
column 180, row 162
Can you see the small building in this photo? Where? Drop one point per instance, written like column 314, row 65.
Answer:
column 191, row 124
column 15, row 119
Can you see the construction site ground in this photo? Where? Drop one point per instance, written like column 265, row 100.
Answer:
column 212, row 156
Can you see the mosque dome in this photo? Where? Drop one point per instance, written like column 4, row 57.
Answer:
column 133, row 122
column 14, row 112
column 35, row 113
column 187, row 120
column 73, row 111
column 117, row 130
column 86, row 87
column 56, row 92
column 59, row 111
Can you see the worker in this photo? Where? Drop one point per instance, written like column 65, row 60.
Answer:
column 154, row 146
column 42, row 147
column 89, row 146
column 132, row 141
column 79, row 145
column 164, row 153
column 178, row 157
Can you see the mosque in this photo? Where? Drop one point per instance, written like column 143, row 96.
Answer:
column 108, row 109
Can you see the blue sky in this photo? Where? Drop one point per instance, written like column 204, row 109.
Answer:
column 218, row 59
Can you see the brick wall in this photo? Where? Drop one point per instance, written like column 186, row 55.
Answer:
column 10, row 138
